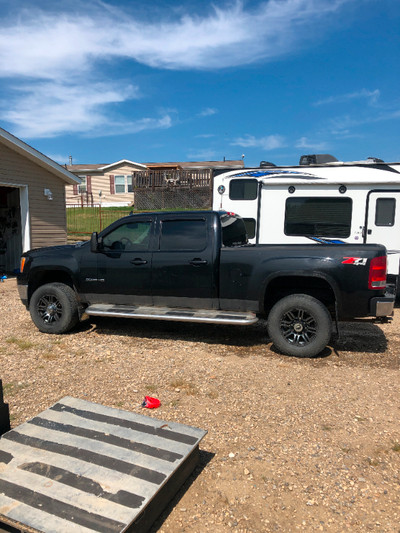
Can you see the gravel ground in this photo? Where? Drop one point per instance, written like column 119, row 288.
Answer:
column 292, row 444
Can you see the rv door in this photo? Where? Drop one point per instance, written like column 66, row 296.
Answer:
column 383, row 224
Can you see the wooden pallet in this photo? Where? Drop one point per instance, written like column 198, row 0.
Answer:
column 82, row 467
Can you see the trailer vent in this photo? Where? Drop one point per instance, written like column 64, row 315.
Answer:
column 375, row 160
column 266, row 164
column 317, row 159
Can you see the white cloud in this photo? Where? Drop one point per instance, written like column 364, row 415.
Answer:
column 270, row 142
column 208, row 112
column 70, row 45
column 371, row 96
column 208, row 154
column 49, row 44
column 304, row 142
column 59, row 158
column 343, row 124
column 47, row 109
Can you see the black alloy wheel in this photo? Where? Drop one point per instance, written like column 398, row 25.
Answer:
column 54, row 308
column 300, row 325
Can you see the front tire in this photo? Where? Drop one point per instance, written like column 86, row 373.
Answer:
column 54, row 308
column 300, row 325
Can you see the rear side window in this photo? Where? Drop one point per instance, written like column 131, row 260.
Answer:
column 243, row 189
column 182, row 235
column 385, row 212
column 318, row 216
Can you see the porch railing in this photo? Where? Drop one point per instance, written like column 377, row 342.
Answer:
column 171, row 178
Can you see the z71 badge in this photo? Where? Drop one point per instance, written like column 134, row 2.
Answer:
column 355, row 261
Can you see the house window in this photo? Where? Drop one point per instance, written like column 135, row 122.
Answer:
column 318, row 217
column 123, row 184
column 82, row 186
column 119, row 184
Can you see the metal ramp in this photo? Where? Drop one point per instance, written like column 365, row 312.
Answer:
column 82, row 467
column 208, row 316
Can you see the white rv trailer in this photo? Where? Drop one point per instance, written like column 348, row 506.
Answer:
column 332, row 202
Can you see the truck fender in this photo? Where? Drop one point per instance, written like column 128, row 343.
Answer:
column 282, row 283
column 40, row 275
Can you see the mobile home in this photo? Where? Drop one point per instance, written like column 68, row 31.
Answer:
column 343, row 202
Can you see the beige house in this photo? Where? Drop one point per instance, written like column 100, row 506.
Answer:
column 32, row 200
column 111, row 185
column 108, row 185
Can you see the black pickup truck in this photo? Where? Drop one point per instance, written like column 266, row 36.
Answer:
column 198, row 267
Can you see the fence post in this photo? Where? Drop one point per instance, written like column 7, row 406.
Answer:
column 4, row 413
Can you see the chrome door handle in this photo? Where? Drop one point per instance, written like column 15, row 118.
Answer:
column 198, row 262
column 138, row 261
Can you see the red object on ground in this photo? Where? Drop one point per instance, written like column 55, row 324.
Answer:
column 151, row 403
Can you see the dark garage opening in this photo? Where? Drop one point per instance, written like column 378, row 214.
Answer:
column 10, row 229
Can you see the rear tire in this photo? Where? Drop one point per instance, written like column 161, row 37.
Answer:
column 300, row 325
column 54, row 308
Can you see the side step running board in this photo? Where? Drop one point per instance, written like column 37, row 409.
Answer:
column 211, row 316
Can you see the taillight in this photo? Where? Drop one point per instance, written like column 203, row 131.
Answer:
column 377, row 273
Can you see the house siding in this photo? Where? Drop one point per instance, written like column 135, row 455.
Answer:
column 101, row 182
column 47, row 218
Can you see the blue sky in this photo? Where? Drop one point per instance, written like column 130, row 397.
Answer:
column 184, row 80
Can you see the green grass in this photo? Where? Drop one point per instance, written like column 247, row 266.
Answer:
column 151, row 388
column 85, row 220
column 49, row 356
column 185, row 386
column 12, row 388
column 21, row 343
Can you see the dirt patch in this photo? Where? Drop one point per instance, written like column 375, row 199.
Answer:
column 292, row 444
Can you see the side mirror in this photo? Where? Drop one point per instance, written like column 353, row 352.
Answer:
column 94, row 242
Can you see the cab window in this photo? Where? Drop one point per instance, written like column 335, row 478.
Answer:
column 131, row 236
column 180, row 235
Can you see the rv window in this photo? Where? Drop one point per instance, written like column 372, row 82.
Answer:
column 318, row 217
column 250, row 224
column 233, row 230
column 243, row 189
column 385, row 211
